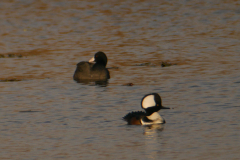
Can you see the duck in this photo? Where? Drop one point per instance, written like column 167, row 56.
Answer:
column 151, row 103
column 90, row 71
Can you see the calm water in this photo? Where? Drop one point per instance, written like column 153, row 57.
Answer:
column 78, row 121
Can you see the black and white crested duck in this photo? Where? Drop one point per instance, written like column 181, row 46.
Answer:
column 151, row 103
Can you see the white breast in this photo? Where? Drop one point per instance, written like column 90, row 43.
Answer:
column 155, row 117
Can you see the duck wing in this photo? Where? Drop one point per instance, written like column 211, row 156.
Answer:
column 134, row 117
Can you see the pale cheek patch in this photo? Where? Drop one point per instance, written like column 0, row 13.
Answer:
column 148, row 101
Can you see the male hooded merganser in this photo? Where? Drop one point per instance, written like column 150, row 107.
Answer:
column 89, row 71
column 151, row 103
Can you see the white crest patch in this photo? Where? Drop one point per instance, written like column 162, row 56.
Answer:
column 148, row 101
column 92, row 60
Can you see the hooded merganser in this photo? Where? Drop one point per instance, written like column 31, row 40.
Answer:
column 89, row 71
column 151, row 103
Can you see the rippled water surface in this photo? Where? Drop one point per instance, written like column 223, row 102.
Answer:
column 42, row 41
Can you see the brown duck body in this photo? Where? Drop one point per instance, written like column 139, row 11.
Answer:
column 90, row 71
column 87, row 71
column 134, row 118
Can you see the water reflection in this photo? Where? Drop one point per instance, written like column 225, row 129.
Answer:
column 151, row 130
column 153, row 140
column 93, row 83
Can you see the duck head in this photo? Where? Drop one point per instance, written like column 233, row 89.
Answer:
column 152, row 103
column 99, row 58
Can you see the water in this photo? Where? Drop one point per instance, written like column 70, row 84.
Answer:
column 78, row 121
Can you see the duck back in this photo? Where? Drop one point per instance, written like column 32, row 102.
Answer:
column 90, row 71
column 134, row 118
column 83, row 71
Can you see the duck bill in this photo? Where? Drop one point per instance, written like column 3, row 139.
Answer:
column 165, row 107
column 92, row 60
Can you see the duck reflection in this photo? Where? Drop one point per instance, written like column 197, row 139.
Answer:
column 153, row 129
column 153, row 140
column 93, row 83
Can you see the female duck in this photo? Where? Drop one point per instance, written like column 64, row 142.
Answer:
column 88, row 71
column 151, row 103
